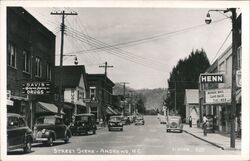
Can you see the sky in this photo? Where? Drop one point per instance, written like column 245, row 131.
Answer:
column 142, row 44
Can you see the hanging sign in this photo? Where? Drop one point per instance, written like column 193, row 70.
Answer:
column 217, row 96
column 211, row 78
column 36, row 88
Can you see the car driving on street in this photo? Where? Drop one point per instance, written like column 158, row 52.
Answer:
column 174, row 123
column 83, row 123
column 19, row 135
column 139, row 120
column 48, row 129
column 115, row 122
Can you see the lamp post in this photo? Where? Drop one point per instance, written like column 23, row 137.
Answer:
column 208, row 20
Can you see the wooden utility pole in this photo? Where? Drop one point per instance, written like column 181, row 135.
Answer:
column 63, row 14
column 104, row 88
column 234, row 64
column 124, row 89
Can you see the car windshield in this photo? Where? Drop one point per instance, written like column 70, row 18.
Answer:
column 115, row 119
column 46, row 120
column 174, row 118
column 82, row 118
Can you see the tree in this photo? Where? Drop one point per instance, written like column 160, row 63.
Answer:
column 185, row 75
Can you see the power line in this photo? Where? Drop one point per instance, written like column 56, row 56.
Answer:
column 221, row 46
column 100, row 43
column 124, row 56
column 150, row 38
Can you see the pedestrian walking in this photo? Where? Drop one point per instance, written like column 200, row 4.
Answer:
column 190, row 121
column 205, row 121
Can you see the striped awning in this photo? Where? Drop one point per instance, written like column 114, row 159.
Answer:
column 47, row 107
column 111, row 111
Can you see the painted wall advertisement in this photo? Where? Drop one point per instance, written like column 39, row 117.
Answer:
column 216, row 96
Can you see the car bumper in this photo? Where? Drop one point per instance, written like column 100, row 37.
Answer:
column 79, row 130
column 41, row 139
column 115, row 127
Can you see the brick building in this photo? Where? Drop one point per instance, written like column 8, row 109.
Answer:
column 30, row 57
column 100, row 93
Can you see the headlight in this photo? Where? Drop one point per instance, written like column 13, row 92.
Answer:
column 83, row 124
column 120, row 123
column 111, row 124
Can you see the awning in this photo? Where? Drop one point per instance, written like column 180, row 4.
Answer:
column 47, row 107
column 68, row 106
column 19, row 98
column 110, row 111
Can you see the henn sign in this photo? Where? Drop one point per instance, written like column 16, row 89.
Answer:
column 211, row 78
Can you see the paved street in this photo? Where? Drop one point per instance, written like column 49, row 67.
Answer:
column 149, row 139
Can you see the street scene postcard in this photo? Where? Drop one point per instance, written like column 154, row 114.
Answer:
column 124, row 80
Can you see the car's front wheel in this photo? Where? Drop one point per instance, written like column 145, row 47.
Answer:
column 27, row 148
column 66, row 140
column 50, row 141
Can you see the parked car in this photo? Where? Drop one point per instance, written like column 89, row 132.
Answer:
column 19, row 135
column 47, row 129
column 83, row 123
column 174, row 123
column 125, row 120
column 162, row 119
column 115, row 122
column 139, row 121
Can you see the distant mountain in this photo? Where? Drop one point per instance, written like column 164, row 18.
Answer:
column 153, row 97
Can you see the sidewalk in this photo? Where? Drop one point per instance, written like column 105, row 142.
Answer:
column 215, row 139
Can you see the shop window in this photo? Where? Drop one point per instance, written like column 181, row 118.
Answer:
column 11, row 55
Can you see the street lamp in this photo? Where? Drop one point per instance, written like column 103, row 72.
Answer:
column 76, row 61
column 234, row 63
column 208, row 19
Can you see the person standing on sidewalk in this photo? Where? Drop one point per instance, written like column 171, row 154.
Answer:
column 205, row 121
column 190, row 121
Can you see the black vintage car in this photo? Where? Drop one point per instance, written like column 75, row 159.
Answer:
column 47, row 129
column 115, row 122
column 83, row 123
column 19, row 135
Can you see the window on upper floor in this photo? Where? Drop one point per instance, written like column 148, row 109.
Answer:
column 48, row 72
column 38, row 72
column 11, row 54
column 26, row 61
column 92, row 93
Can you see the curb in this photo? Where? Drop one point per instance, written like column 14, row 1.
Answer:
column 214, row 144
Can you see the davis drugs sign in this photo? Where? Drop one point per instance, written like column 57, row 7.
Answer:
column 36, row 88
